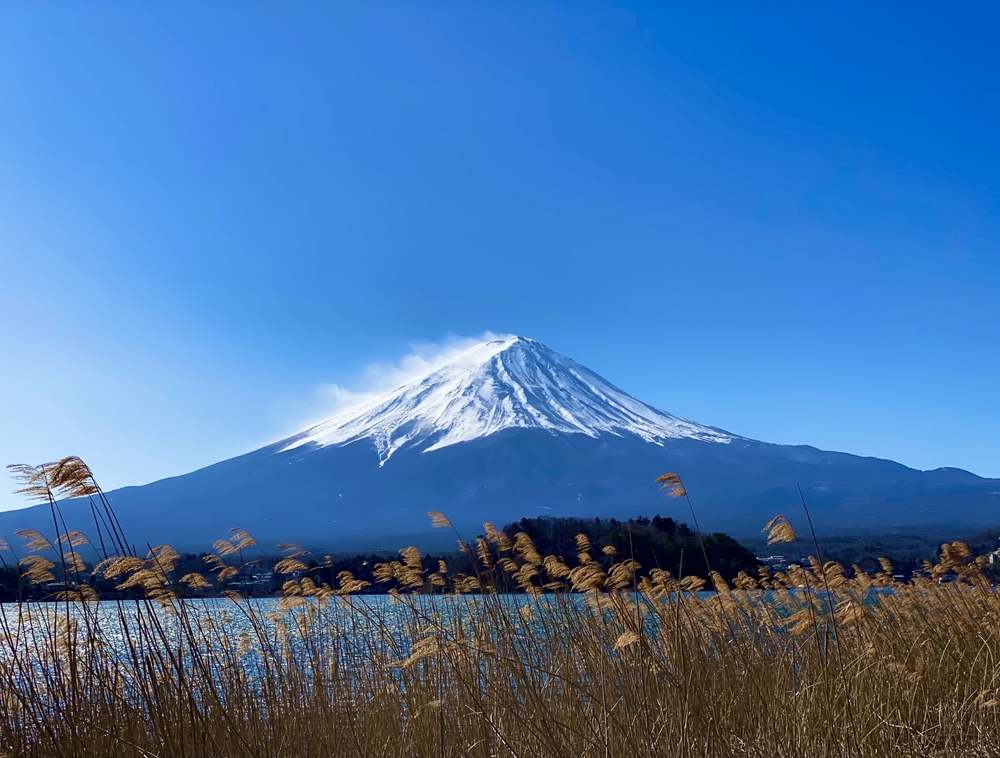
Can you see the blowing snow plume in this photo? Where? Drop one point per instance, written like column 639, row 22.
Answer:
column 384, row 376
column 501, row 383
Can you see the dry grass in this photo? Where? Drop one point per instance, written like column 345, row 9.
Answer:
column 583, row 663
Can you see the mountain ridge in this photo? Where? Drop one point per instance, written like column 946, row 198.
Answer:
column 507, row 429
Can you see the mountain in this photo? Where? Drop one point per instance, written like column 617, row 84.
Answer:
column 510, row 428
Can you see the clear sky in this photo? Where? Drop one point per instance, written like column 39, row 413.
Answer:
column 779, row 219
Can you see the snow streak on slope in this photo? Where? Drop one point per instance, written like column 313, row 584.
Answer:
column 500, row 384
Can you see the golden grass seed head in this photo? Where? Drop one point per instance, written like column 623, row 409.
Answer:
column 961, row 549
column 524, row 575
column 483, row 553
column 849, row 612
column 36, row 569
column 692, row 583
column 800, row 622
column 626, row 639
column 504, row 544
column 241, row 539
column 195, row 581
column 555, row 568
column 672, row 484
column 289, row 565
column 74, row 562
column 779, row 529
column 466, row 584
column 861, row 578
column 224, row 548
column 32, row 480
column 164, row 557
column 834, row 574
column 74, row 539
column 412, row 558
column 587, row 577
column 438, row 519
column 383, row 572
column 71, row 477
column 144, row 578
column 35, row 540
column 623, row 574
column 118, row 565
column 81, row 594
column 719, row 583
column 525, row 547
column 410, row 577
column 421, row 649
column 798, row 576
column 498, row 538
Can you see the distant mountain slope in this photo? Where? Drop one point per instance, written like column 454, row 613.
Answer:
column 511, row 429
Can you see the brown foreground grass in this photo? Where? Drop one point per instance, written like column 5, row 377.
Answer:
column 584, row 662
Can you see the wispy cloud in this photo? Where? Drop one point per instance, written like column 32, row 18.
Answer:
column 383, row 376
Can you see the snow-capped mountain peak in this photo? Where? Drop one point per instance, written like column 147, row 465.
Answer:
column 500, row 384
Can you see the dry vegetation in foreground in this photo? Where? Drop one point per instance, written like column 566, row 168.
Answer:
column 803, row 663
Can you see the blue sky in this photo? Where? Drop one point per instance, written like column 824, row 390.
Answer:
column 779, row 219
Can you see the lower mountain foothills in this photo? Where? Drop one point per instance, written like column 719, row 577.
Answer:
column 527, row 641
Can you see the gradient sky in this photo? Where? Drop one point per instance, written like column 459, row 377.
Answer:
column 779, row 219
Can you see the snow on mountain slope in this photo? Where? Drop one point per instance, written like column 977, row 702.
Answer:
column 495, row 385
